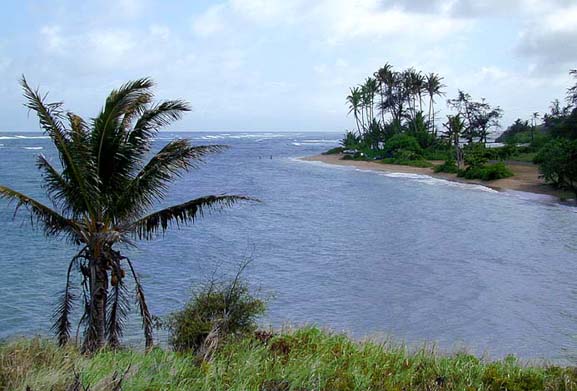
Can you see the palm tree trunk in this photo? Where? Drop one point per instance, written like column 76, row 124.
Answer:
column 382, row 107
column 430, row 116
column 357, row 122
column 96, row 334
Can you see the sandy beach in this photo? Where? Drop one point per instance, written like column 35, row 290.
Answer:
column 526, row 176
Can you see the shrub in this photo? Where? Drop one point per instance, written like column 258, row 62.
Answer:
column 486, row 173
column 350, row 140
column 217, row 311
column 450, row 166
column 505, row 152
column 557, row 162
column 403, row 145
column 437, row 154
column 475, row 155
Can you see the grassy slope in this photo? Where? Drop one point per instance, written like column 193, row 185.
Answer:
column 306, row 359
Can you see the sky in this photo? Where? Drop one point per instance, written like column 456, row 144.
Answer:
column 282, row 65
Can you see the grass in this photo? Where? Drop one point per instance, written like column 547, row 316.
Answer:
column 302, row 359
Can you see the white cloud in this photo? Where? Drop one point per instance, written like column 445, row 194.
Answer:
column 52, row 38
column 250, row 62
column 161, row 32
column 211, row 21
column 110, row 45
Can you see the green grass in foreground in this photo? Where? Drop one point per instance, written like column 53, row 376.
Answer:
column 305, row 359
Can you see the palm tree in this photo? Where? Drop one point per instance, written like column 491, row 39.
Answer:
column 455, row 127
column 355, row 100
column 384, row 78
column 433, row 88
column 102, row 196
column 414, row 83
column 369, row 89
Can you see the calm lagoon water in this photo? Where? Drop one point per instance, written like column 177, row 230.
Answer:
column 372, row 254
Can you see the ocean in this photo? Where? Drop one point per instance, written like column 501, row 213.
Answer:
column 372, row 254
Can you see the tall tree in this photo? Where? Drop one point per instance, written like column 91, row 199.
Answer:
column 355, row 100
column 433, row 88
column 384, row 77
column 101, row 196
column 455, row 126
column 369, row 89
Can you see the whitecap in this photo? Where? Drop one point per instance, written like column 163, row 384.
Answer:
column 429, row 180
column 17, row 137
column 32, row 137
column 34, row 148
column 320, row 141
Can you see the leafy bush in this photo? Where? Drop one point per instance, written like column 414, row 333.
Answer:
column 350, row 140
column 487, row 173
column 449, row 166
column 506, row 152
column 558, row 163
column 403, row 144
column 475, row 155
column 218, row 310
column 437, row 153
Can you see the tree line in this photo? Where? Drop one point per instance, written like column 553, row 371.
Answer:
column 392, row 107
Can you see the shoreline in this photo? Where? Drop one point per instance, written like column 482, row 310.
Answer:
column 526, row 178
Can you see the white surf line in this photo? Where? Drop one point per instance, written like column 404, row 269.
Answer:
column 421, row 178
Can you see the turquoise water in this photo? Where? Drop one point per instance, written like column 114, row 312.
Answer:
column 365, row 252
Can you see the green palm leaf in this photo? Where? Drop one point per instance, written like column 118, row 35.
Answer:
column 151, row 183
column 51, row 116
column 187, row 212
column 53, row 223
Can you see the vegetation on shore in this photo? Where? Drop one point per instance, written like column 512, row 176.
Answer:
column 395, row 123
column 301, row 359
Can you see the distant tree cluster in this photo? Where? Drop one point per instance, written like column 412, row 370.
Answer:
column 395, row 118
column 393, row 102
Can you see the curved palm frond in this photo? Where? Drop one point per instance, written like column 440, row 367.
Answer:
column 151, row 183
column 143, row 307
column 50, row 116
column 108, row 133
column 118, row 308
column 156, row 117
column 138, row 141
column 59, row 189
column 61, row 326
column 187, row 212
column 54, row 224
